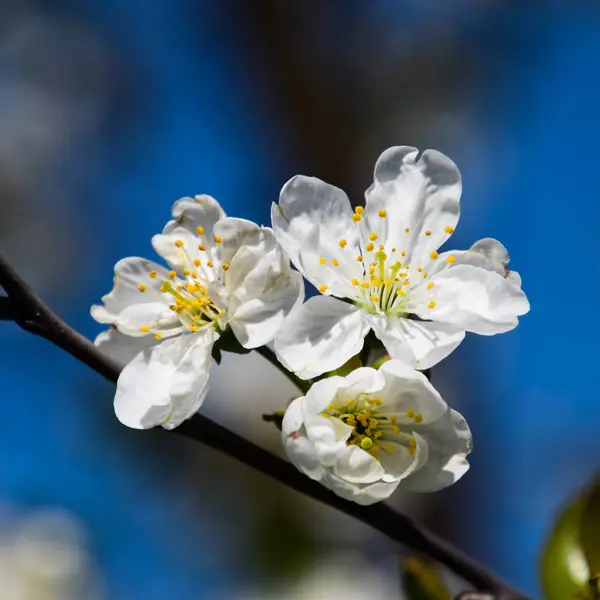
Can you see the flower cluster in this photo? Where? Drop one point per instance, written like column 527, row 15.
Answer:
column 229, row 285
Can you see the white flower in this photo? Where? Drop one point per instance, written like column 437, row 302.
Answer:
column 364, row 434
column 384, row 259
column 225, row 273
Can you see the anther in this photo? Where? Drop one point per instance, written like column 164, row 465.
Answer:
column 356, row 217
column 371, row 270
column 197, row 262
column 200, row 230
column 158, row 336
column 179, row 243
column 172, row 274
column 355, row 281
column 369, row 247
column 400, row 293
column 218, row 239
column 323, row 289
column 407, row 230
column 210, row 264
column 365, row 284
column 430, row 285
column 343, row 243
column 420, row 269
column 374, row 298
column 396, row 429
column 201, row 247
column 359, row 210
column 403, row 253
column 434, row 255
column 145, row 329
column 428, row 233
column 366, row 443
column 153, row 274
column 192, row 328
column 382, row 213
column 449, row 229
column 335, row 263
column 373, row 236
column 322, row 261
column 142, row 287
column 187, row 272
column 225, row 266
column 359, row 258
column 450, row 260
column 418, row 418
column 432, row 304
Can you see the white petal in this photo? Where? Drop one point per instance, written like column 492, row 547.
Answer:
column 321, row 394
column 236, row 233
column 407, row 389
column 293, row 419
column 163, row 384
column 449, row 441
column 420, row 344
column 307, row 205
column 302, row 454
column 420, row 195
column 127, row 307
column 120, row 347
column 400, row 463
column 320, row 336
column 329, row 437
column 262, row 289
column 357, row 466
column 361, row 494
column 363, row 380
column 477, row 300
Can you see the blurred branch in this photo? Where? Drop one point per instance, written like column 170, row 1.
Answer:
column 31, row 314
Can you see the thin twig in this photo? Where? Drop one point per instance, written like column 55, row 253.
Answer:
column 34, row 316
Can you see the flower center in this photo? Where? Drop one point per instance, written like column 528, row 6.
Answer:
column 373, row 429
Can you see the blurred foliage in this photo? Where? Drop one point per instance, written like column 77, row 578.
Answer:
column 421, row 580
column 570, row 567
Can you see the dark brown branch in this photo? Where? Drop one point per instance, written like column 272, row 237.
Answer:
column 34, row 316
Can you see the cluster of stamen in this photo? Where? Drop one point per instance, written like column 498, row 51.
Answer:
column 373, row 429
column 388, row 280
column 189, row 295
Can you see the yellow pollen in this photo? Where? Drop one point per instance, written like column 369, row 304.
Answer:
column 355, row 281
column 349, row 402
column 450, row 260
column 335, row 263
column 192, row 329
column 430, row 285
column 197, row 262
column 323, row 289
column 322, row 261
column 210, row 264
column 330, row 407
column 378, row 434
column 400, row 293
column 382, row 213
column 406, row 282
column 369, row 247
column 407, row 230
column 356, row 217
column 387, row 282
column 187, row 272
column 428, row 233
column 179, row 243
column 403, row 253
column 449, row 229
column 200, row 230
column 411, row 450
column 393, row 249
column 172, row 274
column 179, row 288
column 412, row 442
column 366, row 443
column 371, row 270
column 359, row 258
column 365, row 284
column 218, row 239
column 425, row 275
column 388, row 449
column 142, row 287
column 201, row 247
column 375, row 282
column 432, row 304
column 396, row 429
column 343, row 243
column 373, row 236
column 418, row 418
column 434, row 255
column 381, row 247
column 158, row 336
column 153, row 274
column 225, row 266
column 359, row 210
column 145, row 329
column 374, row 298
column 420, row 269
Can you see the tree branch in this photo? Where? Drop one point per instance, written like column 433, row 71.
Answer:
column 30, row 313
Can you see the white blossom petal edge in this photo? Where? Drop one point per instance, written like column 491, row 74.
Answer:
column 384, row 259
column 365, row 434
column 225, row 274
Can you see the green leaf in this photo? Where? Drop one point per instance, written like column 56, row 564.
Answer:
column 421, row 581
column 564, row 569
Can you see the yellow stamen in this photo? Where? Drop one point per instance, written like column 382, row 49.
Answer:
column 197, row 262
column 403, row 253
column 145, row 329
column 200, row 230
column 201, row 247
column 365, row 284
column 396, row 429
column 192, row 329
column 187, row 272
column 323, row 289
column 432, row 304
column 355, row 281
column 371, row 270
column 430, row 285
column 335, row 263
column 366, row 443
column 210, row 264
column 382, row 213
column 400, row 293
column 359, row 210
column 420, row 269
column 225, row 266
column 322, row 261
column 179, row 243
column 153, row 274
column 142, row 287
column 434, row 255
column 158, row 336
column 428, row 233
column 359, row 258
column 450, row 260
column 373, row 236
column 418, row 418
column 374, row 298
column 343, row 243
column 218, row 239
column 449, row 229
column 369, row 247
column 407, row 230
column 356, row 217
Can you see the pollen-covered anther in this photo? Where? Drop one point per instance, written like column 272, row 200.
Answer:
column 153, row 274
column 145, row 329
column 192, row 328
column 218, row 239
column 449, row 229
column 342, row 243
column 432, row 304
column 158, row 336
column 387, row 282
column 371, row 270
column 187, row 272
column 172, row 274
column 210, row 264
column 396, row 429
column 354, row 281
column 359, row 210
column 179, row 243
column 359, row 258
column 400, row 293
column 374, row 298
column 382, row 213
column 418, row 418
column 142, row 287
column 369, row 247
column 335, row 262
column 323, row 289
column 450, row 259
column 420, row 269
column 200, row 230
column 197, row 262
column 407, row 230
column 428, row 233
column 322, row 261
column 356, row 217
column 403, row 253
column 201, row 247
column 433, row 255
column 430, row 285
column 365, row 284
column 225, row 266
column 373, row 236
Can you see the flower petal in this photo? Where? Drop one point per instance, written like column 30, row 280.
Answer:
column 361, row 494
column 306, row 204
column 321, row 394
column 449, row 441
column 398, row 462
column 407, row 389
column 477, row 300
column 421, row 195
column 420, row 344
column 293, row 419
column 320, row 336
column 357, row 466
column 165, row 384
column 120, row 347
column 302, row 455
column 363, row 380
column 262, row 289
column 127, row 307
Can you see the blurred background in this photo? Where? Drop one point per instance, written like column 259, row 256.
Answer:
column 111, row 110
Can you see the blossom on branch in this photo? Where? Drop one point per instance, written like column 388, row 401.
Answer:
column 225, row 274
column 365, row 434
column 383, row 261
